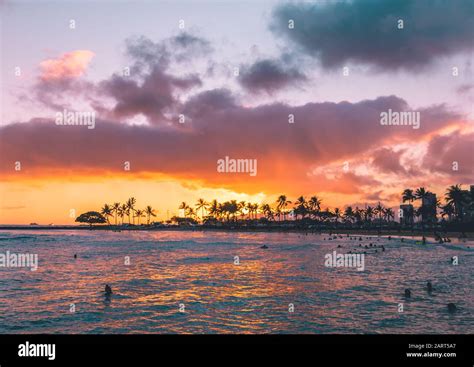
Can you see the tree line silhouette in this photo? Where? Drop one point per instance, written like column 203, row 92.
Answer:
column 458, row 206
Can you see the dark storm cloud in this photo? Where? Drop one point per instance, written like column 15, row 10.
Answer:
column 365, row 31
column 269, row 75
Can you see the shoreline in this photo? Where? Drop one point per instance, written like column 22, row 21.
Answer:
column 429, row 233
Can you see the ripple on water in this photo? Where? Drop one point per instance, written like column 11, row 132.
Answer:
column 197, row 269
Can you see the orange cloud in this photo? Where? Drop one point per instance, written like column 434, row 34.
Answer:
column 70, row 65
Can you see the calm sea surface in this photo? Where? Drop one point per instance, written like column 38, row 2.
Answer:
column 198, row 270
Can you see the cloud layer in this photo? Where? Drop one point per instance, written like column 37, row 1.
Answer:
column 366, row 31
column 322, row 133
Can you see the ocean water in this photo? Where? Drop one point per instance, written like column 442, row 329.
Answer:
column 198, row 270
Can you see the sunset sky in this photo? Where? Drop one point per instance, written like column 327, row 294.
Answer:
column 336, row 148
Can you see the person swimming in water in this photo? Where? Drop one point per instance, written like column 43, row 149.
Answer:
column 407, row 293
column 75, row 256
column 452, row 307
column 429, row 287
column 108, row 290
column 264, row 246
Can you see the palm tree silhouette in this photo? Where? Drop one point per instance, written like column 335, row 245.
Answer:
column 379, row 210
column 150, row 212
column 139, row 214
column 349, row 214
column 131, row 208
column 282, row 203
column 106, row 211
column 267, row 211
column 358, row 215
column 213, row 208
column 241, row 210
column 115, row 209
column 125, row 212
column 190, row 212
column 448, row 210
column 337, row 215
column 120, row 214
column 301, row 207
column 201, row 204
column 421, row 193
column 233, row 208
column 389, row 214
column 250, row 209
column 314, row 205
column 184, row 207
column 255, row 210
column 368, row 214
column 408, row 195
column 455, row 196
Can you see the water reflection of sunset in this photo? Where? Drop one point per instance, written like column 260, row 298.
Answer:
column 197, row 269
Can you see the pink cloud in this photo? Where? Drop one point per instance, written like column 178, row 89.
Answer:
column 69, row 65
column 388, row 161
column 452, row 155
